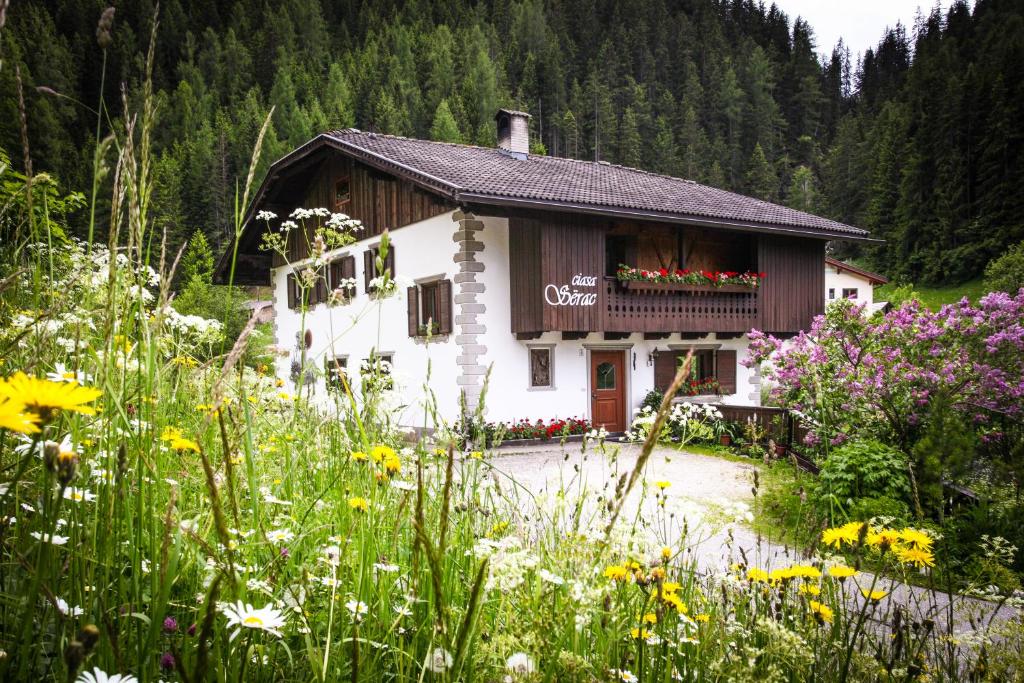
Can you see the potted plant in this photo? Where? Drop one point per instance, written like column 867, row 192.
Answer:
column 725, row 433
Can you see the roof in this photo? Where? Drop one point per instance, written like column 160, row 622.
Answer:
column 490, row 176
column 873, row 278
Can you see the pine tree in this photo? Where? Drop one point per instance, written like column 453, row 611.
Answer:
column 802, row 194
column 444, row 128
column 628, row 149
column 761, row 179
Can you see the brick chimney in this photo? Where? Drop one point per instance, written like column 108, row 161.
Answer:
column 513, row 132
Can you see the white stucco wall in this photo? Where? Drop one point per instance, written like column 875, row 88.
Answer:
column 425, row 250
column 422, row 250
column 845, row 280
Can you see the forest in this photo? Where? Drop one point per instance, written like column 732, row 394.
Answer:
column 918, row 140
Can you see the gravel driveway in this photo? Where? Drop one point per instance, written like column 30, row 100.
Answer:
column 708, row 492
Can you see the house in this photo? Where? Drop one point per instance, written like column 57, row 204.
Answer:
column 511, row 261
column 846, row 281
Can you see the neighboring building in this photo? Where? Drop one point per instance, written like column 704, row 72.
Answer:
column 845, row 281
column 262, row 310
column 512, row 258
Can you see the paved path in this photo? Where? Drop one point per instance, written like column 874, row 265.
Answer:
column 708, row 496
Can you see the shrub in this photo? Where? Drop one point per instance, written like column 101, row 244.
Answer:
column 652, row 400
column 862, row 469
column 1006, row 273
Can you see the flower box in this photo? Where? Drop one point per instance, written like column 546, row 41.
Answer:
column 666, row 287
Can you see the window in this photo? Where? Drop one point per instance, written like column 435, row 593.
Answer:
column 376, row 372
column 849, row 292
column 430, row 308
column 341, row 279
column 541, row 370
column 606, row 376
column 370, row 265
column 619, row 249
column 713, row 371
column 342, row 194
column 335, row 373
column 315, row 288
column 831, row 292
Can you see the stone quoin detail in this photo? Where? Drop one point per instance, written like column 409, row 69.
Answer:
column 469, row 313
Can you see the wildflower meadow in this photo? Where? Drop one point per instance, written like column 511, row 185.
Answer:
column 169, row 512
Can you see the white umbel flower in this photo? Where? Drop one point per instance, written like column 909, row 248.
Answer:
column 242, row 615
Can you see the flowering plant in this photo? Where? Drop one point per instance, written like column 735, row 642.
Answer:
column 701, row 387
column 539, row 429
column 686, row 423
column 882, row 377
column 685, row 276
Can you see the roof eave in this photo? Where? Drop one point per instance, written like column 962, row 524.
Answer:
column 703, row 221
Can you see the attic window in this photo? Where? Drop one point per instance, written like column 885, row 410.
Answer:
column 342, row 193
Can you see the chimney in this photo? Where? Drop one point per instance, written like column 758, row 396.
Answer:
column 513, row 132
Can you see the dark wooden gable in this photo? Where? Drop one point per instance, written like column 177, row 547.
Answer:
column 379, row 200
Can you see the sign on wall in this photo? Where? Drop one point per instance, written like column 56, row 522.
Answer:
column 581, row 291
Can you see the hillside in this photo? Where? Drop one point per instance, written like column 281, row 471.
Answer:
column 919, row 142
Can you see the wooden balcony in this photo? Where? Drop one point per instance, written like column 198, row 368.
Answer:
column 685, row 309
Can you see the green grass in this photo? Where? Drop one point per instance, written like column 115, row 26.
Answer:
column 934, row 297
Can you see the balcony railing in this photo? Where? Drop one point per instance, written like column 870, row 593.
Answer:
column 695, row 310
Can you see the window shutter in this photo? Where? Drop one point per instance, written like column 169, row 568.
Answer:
column 444, row 293
column 414, row 311
column 290, row 285
column 368, row 258
column 347, row 269
column 664, row 369
column 389, row 261
column 334, row 274
column 320, row 291
column 726, row 361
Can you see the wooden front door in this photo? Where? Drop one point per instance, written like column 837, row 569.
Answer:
column 608, row 390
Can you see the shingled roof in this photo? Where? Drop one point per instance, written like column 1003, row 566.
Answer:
column 483, row 175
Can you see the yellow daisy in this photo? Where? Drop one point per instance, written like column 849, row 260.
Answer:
column 46, row 398
column 873, row 596
column 916, row 556
column 842, row 572
column 14, row 418
column 822, row 613
column 359, row 504
column 916, row 538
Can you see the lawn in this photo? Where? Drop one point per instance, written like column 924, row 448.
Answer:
column 935, row 296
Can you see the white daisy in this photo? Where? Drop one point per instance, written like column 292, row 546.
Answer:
column 242, row 615
column 79, row 495
column 48, row 538
column 97, row 675
column 385, row 567
column 357, row 608
column 66, row 610
column 280, row 535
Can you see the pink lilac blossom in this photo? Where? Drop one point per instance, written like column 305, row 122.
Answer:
column 850, row 374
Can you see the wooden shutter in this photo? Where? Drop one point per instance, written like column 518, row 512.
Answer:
column 347, row 270
column 726, row 362
column 444, row 305
column 334, row 274
column 319, row 294
column 414, row 310
column 664, row 369
column 290, row 285
column 368, row 265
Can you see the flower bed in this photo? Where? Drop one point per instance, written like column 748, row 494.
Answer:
column 539, row 429
column 685, row 277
